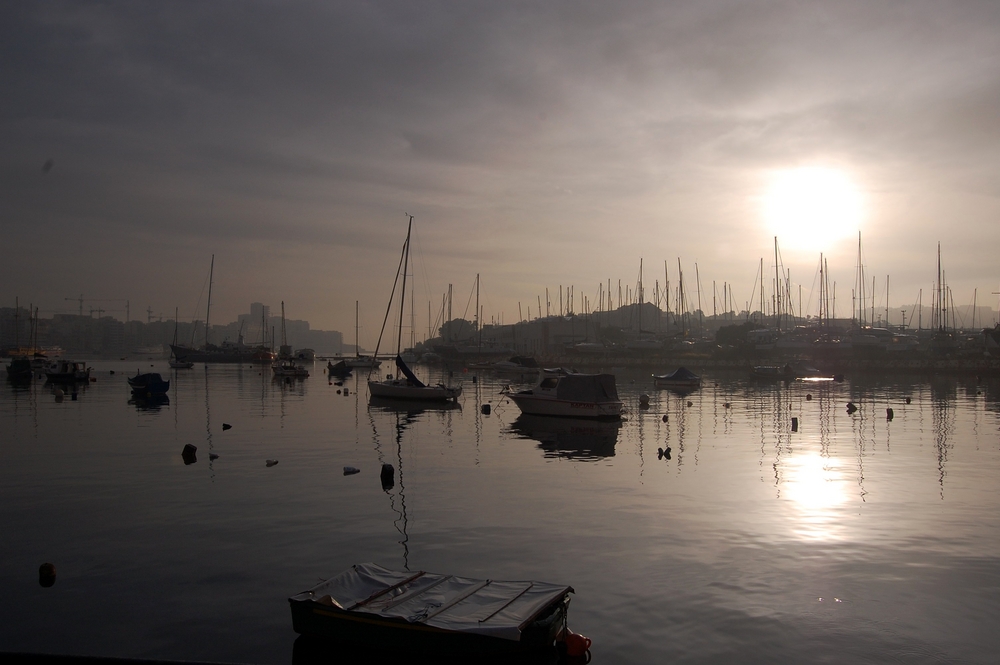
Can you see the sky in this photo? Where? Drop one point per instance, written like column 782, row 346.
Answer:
column 537, row 144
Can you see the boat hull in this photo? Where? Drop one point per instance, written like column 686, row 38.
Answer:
column 67, row 371
column 19, row 369
column 677, row 384
column 293, row 371
column 396, row 389
column 543, row 405
column 148, row 385
column 390, row 634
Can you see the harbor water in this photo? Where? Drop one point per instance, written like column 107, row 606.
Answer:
column 855, row 538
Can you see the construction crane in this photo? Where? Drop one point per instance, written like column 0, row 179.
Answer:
column 82, row 300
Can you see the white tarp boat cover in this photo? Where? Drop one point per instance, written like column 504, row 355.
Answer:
column 485, row 607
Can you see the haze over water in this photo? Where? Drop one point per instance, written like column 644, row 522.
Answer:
column 854, row 539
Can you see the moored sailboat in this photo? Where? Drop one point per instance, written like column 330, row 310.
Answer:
column 404, row 384
column 359, row 360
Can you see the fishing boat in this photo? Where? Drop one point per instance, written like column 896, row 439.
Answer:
column 680, row 379
column 432, row 613
column 148, row 384
column 290, row 369
column 561, row 392
column 67, row 370
column 404, row 384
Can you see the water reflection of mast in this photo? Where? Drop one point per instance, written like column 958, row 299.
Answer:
column 941, row 416
column 401, row 522
column 479, row 416
column 208, row 428
column 858, row 428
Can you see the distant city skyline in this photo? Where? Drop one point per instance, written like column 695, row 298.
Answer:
column 536, row 146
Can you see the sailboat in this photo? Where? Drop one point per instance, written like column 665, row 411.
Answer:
column 174, row 362
column 405, row 384
column 359, row 360
column 227, row 352
column 285, row 366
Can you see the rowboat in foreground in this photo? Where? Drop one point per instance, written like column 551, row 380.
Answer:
column 400, row 609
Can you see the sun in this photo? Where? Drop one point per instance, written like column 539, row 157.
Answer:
column 811, row 208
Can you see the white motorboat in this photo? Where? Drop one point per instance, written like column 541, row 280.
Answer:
column 560, row 392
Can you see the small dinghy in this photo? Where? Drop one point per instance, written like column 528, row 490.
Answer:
column 419, row 611
column 148, row 384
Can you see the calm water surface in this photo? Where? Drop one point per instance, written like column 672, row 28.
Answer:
column 854, row 539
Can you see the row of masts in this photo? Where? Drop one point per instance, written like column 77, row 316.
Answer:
column 777, row 309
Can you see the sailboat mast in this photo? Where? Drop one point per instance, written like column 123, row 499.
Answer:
column 413, row 316
column 357, row 314
column 777, row 287
column 208, row 311
column 402, row 292
column 284, row 337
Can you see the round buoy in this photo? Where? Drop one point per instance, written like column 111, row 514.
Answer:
column 46, row 575
column 665, row 418
column 808, row 397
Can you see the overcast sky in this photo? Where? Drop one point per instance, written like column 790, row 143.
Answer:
column 536, row 143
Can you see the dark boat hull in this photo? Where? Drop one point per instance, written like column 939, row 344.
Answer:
column 148, row 385
column 317, row 620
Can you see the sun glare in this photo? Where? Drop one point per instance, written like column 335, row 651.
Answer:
column 810, row 208
column 816, row 487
